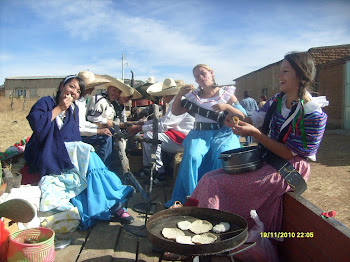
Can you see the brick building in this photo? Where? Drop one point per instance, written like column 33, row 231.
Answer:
column 332, row 81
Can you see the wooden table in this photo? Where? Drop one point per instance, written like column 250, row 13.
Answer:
column 111, row 241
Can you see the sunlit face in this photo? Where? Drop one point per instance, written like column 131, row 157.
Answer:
column 71, row 87
column 289, row 82
column 204, row 77
column 113, row 93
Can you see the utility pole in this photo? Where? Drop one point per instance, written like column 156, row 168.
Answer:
column 123, row 63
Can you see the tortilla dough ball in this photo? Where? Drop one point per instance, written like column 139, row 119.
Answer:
column 187, row 240
column 221, row 227
column 206, row 238
column 200, row 226
column 172, row 233
column 184, row 225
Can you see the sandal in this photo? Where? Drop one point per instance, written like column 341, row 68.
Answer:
column 124, row 216
column 18, row 210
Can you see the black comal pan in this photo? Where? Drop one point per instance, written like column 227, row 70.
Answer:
column 236, row 236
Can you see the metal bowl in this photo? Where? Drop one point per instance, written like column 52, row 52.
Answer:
column 242, row 159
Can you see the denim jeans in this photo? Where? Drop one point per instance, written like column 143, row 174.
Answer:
column 103, row 145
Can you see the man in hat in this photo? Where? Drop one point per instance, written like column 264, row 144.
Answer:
column 101, row 111
column 171, row 129
column 86, row 127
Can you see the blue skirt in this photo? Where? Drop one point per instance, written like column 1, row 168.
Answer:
column 201, row 155
column 104, row 190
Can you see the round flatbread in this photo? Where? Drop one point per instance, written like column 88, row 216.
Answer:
column 200, row 226
column 221, row 227
column 172, row 233
column 206, row 238
column 187, row 240
column 184, row 225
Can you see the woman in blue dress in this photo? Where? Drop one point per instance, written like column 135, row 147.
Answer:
column 55, row 151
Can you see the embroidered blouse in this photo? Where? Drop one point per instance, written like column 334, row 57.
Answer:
column 314, row 124
column 224, row 95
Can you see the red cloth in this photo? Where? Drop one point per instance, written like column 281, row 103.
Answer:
column 175, row 136
column 29, row 178
column 3, row 241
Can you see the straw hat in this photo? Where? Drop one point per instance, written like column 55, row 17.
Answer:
column 150, row 80
column 168, row 87
column 126, row 89
column 91, row 80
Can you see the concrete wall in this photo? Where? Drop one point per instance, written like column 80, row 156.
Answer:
column 262, row 81
column 34, row 88
column 330, row 82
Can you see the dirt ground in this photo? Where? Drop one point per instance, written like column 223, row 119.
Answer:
column 328, row 185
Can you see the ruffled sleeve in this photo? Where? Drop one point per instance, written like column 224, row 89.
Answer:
column 226, row 92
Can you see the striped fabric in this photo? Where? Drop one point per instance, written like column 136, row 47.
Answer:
column 314, row 123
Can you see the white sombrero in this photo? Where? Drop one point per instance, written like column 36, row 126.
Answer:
column 126, row 89
column 91, row 80
column 167, row 88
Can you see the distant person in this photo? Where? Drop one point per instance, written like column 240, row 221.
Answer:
column 250, row 105
column 262, row 100
column 72, row 173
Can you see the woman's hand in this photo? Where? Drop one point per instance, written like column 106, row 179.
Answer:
column 65, row 103
column 244, row 129
column 220, row 107
column 185, row 90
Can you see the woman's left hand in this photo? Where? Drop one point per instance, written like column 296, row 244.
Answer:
column 244, row 129
column 219, row 107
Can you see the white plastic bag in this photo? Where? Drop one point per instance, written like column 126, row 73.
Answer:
column 264, row 250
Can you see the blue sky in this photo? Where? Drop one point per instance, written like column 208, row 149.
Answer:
column 163, row 38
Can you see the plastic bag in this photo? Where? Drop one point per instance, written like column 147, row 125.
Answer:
column 264, row 250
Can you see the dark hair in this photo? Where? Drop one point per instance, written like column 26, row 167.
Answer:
column 304, row 66
column 67, row 80
column 246, row 94
column 263, row 97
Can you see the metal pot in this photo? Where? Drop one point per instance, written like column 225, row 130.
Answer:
column 234, row 238
column 242, row 159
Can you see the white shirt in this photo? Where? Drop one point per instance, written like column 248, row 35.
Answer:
column 101, row 111
column 86, row 128
column 182, row 123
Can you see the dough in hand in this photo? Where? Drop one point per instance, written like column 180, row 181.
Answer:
column 172, row 233
column 187, row 240
column 200, row 226
column 70, row 97
column 184, row 225
column 206, row 238
column 235, row 120
column 221, row 227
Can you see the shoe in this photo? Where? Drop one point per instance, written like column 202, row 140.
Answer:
column 159, row 179
column 145, row 172
column 124, row 216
